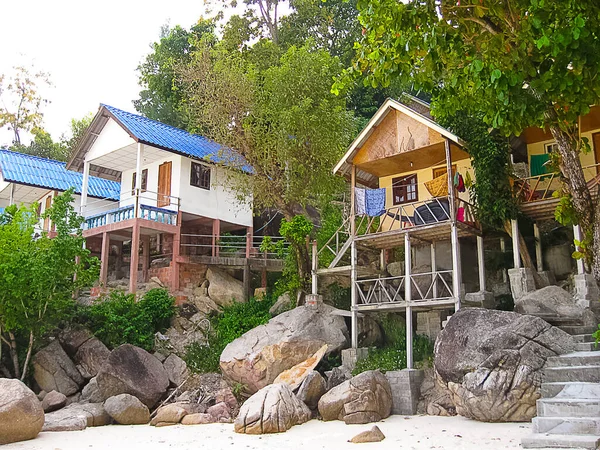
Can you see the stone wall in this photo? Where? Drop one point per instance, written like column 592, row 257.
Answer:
column 406, row 390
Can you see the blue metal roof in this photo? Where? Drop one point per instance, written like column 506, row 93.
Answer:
column 177, row 140
column 50, row 174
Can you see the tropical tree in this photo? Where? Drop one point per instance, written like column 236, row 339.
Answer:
column 39, row 276
column 521, row 63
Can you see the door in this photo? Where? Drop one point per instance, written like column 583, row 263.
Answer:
column 46, row 208
column 164, row 184
column 596, row 143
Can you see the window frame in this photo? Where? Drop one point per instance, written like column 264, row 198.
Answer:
column 553, row 146
column 203, row 183
column 398, row 190
column 144, row 183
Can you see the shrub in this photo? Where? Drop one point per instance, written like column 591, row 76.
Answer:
column 119, row 319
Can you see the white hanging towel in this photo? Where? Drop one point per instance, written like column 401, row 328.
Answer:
column 360, row 202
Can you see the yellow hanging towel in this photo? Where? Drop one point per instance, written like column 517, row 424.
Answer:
column 438, row 187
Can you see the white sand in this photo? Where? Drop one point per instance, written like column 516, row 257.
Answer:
column 415, row 432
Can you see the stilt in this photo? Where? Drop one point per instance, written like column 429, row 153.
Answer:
column 135, row 257
column 247, row 279
column 515, row 243
column 138, row 178
column 104, row 255
column 407, row 299
column 577, row 236
column 434, row 270
column 353, row 294
column 538, row 247
column 84, row 187
column 456, row 267
column 216, row 236
column 481, row 263
column 249, row 239
column 175, row 261
column 145, row 257
column 315, row 266
column 503, row 250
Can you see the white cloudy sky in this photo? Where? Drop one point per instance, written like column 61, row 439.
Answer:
column 90, row 49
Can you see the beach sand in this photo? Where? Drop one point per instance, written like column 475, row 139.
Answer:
column 411, row 432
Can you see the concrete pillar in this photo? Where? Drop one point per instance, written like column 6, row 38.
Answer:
column 84, row 187
column 456, row 266
column 521, row 282
column 216, row 236
column 577, row 236
column 515, row 243
column 145, row 257
column 104, row 255
column 538, row 247
column 249, row 239
column 135, row 257
column 434, row 269
column 353, row 294
column 119, row 260
column 247, row 279
column 481, row 263
column 175, row 262
column 11, row 198
column 407, row 298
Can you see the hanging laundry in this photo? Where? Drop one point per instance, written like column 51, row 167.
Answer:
column 460, row 187
column 468, row 180
column 360, row 205
column 375, row 202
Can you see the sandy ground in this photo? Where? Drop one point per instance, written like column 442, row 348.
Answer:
column 415, row 432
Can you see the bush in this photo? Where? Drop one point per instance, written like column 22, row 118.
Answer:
column 234, row 321
column 119, row 319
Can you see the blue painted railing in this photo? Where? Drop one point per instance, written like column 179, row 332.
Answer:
column 152, row 213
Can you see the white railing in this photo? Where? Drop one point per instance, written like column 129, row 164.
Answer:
column 230, row 245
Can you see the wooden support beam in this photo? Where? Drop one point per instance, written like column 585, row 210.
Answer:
column 145, row 257
column 481, row 263
column 407, row 298
column 539, row 256
column 315, row 267
column 135, row 257
column 353, row 295
column 104, row 256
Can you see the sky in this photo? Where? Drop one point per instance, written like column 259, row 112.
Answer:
column 90, row 49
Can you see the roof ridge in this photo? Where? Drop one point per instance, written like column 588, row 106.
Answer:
column 26, row 155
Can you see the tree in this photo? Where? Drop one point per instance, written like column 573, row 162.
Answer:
column 521, row 63
column 39, row 276
column 283, row 120
column 21, row 102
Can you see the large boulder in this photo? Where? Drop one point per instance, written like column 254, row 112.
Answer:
column 369, row 332
column 53, row 401
column 283, row 304
column 297, row 374
column 176, row 368
column 127, row 410
column 21, row 413
column 273, row 409
column 54, row 371
column 256, row 358
column 132, row 370
column 77, row 416
column 491, row 361
column 168, row 414
column 555, row 305
column 73, row 338
column 90, row 392
column 223, row 289
column 365, row 398
column 90, row 357
column 312, row 389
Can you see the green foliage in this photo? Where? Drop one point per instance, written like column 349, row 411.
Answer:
column 392, row 355
column 296, row 230
column 596, row 335
column 234, row 321
column 340, row 296
column 120, row 319
column 331, row 220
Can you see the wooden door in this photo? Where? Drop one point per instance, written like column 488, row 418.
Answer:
column 46, row 208
column 164, row 184
column 596, row 143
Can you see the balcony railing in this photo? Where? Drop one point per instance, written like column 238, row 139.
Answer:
column 233, row 246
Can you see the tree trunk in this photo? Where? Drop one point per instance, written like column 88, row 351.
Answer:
column 14, row 355
column 28, row 357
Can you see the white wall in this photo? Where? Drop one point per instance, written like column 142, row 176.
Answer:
column 112, row 138
column 94, row 206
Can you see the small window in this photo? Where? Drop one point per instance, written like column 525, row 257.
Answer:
column 404, row 189
column 200, row 176
column 438, row 172
column 552, row 148
column 144, row 181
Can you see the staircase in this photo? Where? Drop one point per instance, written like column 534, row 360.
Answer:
column 569, row 410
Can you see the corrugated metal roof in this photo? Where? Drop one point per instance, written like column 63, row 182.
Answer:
column 177, row 140
column 50, row 174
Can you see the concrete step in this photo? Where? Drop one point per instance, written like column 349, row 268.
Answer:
column 578, row 329
column 584, row 338
column 587, row 374
column 543, row 440
column 587, row 347
column 574, row 359
column 568, row 407
column 566, row 425
column 571, row 388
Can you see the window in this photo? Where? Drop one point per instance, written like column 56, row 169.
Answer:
column 551, row 148
column 144, row 181
column 404, row 189
column 200, row 176
column 438, row 172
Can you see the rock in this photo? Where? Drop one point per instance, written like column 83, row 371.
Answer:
column 159, row 356
column 90, row 392
column 202, row 290
column 256, row 358
column 54, row 371
column 369, row 334
column 21, row 413
column 41, row 395
column 75, row 398
column 260, row 293
column 90, row 357
column 132, row 370
column 220, row 412
column 172, row 413
column 53, row 401
column 312, row 389
column 157, row 281
column 197, row 419
column 337, row 376
column 491, row 361
column 273, row 409
column 225, row 395
column 372, row 435
column 555, row 305
column 436, row 398
column 186, row 310
column 396, row 268
column 77, row 416
column 283, row 304
column 223, row 289
column 127, row 410
column 205, row 305
column 73, row 338
column 176, row 368
column 296, row 375
column 365, row 398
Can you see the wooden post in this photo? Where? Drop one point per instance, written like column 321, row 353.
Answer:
column 451, row 193
column 84, row 187
column 315, row 267
column 353, row 293
column 577, row 236
column 515, row 243
column 352, row 202
column 135, row 257
column 538, row 247
column 216, row 236
column 104, row 255
column 138, row 178
column 503, row 250
column 481, row 263
column 145, row 257
column 407, row 299
column 11, row 198
column 247, row 277
column 434, row 269
column 249, row 239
